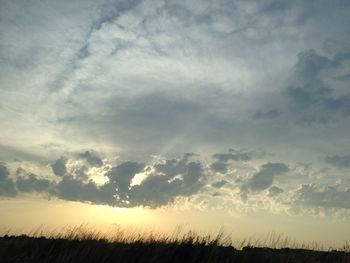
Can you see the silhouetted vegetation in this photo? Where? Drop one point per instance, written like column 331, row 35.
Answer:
column 89, row 246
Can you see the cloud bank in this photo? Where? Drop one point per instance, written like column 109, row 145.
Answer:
column 165, row 182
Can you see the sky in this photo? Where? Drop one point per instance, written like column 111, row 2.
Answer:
column 161, row 113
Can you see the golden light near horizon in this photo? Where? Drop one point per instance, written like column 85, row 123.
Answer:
column 55, row 217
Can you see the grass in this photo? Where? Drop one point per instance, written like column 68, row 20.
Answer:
column 83, row 244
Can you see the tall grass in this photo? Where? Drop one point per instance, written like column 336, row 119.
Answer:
column 86, row 244
column 180, row 235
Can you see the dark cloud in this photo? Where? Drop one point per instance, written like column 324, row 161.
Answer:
column 164, row 182
column 7, row 186
column 311, row 97
column 160, row 111
column 147, row 121
column 120, row 176
column 310, row 64
column 69, row 188
column 220, row 167
column 274, row 190
column 344, row 77
column 219, row 184
column 264, row 178
column 31, row 183
column 339, row 161
column 110, row 12
column 114, row 192
column 327, row 198
column 4, row 172
column 167, row 181
column 172, row 179
column 274, row 7
column 20, row 171
column 59, row 166
column 233, row 155
column 91, row 158
column 75, row 190
column 268, row 114
column 80, row 172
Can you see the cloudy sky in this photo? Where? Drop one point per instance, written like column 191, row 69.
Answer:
column 233, row 113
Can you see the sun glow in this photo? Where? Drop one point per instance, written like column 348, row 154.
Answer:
column 138, row 178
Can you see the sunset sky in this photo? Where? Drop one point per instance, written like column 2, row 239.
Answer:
column 160, row 113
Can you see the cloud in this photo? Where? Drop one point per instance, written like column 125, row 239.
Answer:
column 199, row 82
column 219, row 184
column 31, row 183
column 7, row 186
column 169, row 180
column 109, row 12
column 120, row 176
column 4, row 172
column 162, row 182
column 310, row 65
column 327, row 198
column 312, row 97
column 59, row 166
column 222, row 159
column 264, row 178
column 341, row 161
column 157, row 184
column 75, row 190
column 274, row 190
column 160, row 111
column 198, row 72
column 315, row 92
column 268, row 114
column 218, row 166
column 91, row 158
column 149, row 120
column 78, row 170
column 233, row 155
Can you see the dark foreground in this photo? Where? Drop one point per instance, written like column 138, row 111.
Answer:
column 30, row 249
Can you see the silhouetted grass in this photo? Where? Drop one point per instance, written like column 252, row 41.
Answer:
column 79, row 244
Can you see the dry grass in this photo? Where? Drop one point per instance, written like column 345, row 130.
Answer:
column 85, row 244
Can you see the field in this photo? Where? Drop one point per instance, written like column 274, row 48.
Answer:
column 82, row 245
